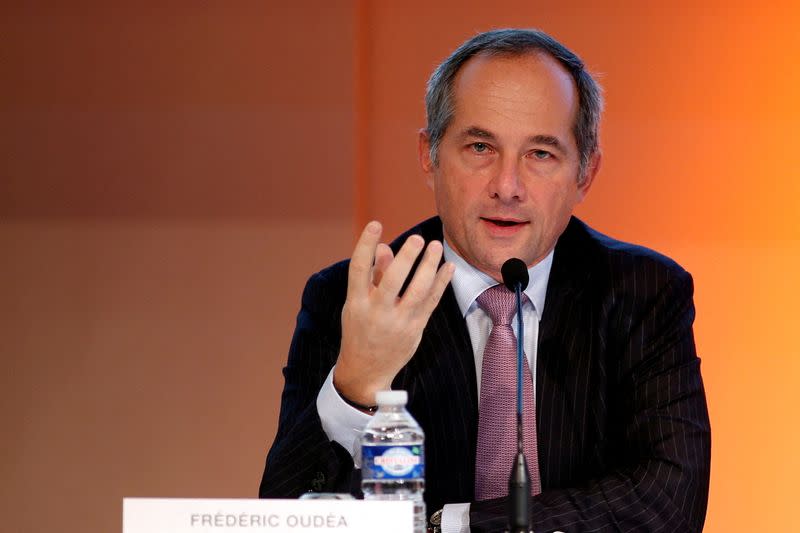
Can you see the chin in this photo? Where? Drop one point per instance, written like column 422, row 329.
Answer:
column 492, row 267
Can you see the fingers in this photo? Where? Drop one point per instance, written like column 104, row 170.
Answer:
column 440, row 283
column 359, row 276
column 397, row 272
column 373, row 266
column 430, row 281
column 418, row 289
column 383, row 257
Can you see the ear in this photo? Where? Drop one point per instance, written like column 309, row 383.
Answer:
column 591, row 172
column 424, row 155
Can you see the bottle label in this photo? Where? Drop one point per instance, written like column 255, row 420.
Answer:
column 392, row 462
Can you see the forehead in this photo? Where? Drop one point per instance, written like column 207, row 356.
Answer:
column 532, row 91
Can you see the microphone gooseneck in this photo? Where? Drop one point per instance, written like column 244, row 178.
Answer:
column 515, row 278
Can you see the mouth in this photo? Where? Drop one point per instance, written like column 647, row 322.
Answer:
column 504, row 222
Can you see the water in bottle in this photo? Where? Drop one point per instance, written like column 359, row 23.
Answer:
column 393, row 455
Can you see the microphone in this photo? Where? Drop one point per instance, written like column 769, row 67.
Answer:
column 515, row 277
column 515, row 274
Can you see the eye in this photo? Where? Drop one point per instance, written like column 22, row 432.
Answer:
column 480, row 148
column 541, row 154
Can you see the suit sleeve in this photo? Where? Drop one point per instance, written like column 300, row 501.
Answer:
column 658, row 477
column 302, row 457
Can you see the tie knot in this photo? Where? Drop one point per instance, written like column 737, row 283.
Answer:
column 499, row 304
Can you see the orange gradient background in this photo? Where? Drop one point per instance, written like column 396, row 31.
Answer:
column 171, row 174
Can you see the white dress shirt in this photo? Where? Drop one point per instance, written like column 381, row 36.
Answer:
column 344, row 424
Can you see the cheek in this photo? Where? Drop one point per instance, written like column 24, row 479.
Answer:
column 452, row 191
column 446, row 197
column 553, row 202
column 541, row 169
column 458, row 191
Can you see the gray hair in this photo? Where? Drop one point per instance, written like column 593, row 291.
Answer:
column 439, row 103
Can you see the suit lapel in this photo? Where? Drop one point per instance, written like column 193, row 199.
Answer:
column 565, row 363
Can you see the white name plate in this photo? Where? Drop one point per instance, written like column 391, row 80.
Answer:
column 181, row 515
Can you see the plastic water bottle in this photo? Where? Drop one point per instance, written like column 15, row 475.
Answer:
column 393, row 455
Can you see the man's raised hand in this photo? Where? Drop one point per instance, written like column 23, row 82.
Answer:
column 380, row 329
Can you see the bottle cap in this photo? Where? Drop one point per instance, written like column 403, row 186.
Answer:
column 391, row 397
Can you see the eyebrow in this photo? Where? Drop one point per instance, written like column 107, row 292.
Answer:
column 474, row 131
column 548, row 140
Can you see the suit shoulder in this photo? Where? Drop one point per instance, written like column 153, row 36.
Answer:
column 332, row 274
column 328, row 287
column 585, row 257
column 430, row 230
column 623, row 256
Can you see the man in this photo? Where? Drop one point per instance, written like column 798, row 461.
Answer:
column 616, row 421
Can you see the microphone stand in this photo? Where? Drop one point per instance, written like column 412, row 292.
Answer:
column 519, row 483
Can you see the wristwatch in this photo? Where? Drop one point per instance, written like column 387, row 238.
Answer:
column 435, row 523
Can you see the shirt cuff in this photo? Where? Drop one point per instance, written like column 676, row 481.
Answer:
column 341, row 422
column 455, row 518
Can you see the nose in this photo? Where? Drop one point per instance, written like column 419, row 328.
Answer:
column 506, row 185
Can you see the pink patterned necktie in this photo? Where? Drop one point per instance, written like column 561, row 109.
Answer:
column 497, row 417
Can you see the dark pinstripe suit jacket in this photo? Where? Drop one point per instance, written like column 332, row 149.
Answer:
column 623, row 429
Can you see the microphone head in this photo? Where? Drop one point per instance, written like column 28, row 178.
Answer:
column 514, row 271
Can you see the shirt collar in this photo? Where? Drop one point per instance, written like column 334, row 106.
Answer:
column 468, row 282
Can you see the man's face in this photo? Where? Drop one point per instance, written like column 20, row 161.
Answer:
column 506, row 181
